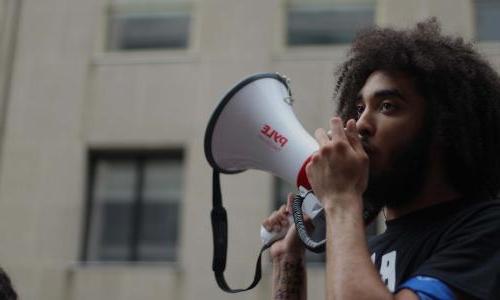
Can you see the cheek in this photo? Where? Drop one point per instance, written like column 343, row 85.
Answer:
column 390, row 143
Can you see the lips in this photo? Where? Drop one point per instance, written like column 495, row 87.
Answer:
column 369, row 149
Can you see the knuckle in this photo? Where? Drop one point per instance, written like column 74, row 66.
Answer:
column 318, row 131
column 364, row 158
column 266, row 224
column 339, row 146
column 335, row 120
column 325, row 150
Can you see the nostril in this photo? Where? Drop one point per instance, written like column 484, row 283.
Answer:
column 364, row 132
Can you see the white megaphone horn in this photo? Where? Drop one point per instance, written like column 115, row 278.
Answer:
column 254, row 127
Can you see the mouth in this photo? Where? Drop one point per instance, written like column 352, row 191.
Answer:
column 369, row 149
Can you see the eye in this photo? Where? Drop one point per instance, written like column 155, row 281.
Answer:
column 386, row 107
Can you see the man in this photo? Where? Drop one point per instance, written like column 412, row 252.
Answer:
column 419, row 134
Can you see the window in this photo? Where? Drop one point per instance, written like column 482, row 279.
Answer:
column 321, row 22
column 134, row 206
column 148, row 24
column 487, row 20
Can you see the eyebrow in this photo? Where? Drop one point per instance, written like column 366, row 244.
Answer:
column 387, row 93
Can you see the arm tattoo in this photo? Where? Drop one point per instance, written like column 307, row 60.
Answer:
column 290, row 281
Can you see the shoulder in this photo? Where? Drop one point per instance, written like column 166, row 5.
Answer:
column 474, row 218
column 467, row 254
column 475, row 214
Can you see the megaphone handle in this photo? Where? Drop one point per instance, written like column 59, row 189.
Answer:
column 298, row 218
column 268, row 237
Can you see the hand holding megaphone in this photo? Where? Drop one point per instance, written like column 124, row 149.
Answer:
column 306, row 201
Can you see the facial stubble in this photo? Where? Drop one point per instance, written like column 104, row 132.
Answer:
column 400, row 183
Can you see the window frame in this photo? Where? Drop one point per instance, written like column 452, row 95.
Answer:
column 153, row 8
column 475, row 5
column 324, row 5
column 139, row 157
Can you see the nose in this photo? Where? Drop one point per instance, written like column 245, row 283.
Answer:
column 366, row 124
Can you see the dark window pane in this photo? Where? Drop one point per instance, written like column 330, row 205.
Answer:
column 135, row 203
column 159, row 231
column 115, row 232
column 131, row 30
column 160, row 221
column 111, row 217
column 487, row 20
column 334, row 24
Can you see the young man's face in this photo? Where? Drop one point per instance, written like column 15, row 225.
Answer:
column 391, row 122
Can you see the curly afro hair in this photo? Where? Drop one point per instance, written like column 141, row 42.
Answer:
column 461, row 89
column 7, row 292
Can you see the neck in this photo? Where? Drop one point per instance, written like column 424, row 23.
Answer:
column 434, row 195
column 435, row 190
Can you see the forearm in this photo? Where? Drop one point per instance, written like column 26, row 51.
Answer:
column 289, row 278
column 350, row 273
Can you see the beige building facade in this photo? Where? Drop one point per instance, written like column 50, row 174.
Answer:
column 68, row 95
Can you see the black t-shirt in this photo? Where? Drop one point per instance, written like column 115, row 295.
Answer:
column 456, row 242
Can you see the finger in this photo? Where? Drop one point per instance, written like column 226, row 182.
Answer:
column 321, row 136
column 267, row 224
column 337, row 129
column 289, row 203
column 276, row 222
column 285, row 212
column 272, row 220
column 282, row 210
column 353, row 135
column 284, row 222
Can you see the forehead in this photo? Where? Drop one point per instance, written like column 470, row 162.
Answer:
column 383, row 80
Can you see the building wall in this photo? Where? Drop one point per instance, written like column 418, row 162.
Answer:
column 68, row 95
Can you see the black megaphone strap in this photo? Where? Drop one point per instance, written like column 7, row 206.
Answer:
column 219, row 230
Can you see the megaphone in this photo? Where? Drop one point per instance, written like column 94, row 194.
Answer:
column 254, row 127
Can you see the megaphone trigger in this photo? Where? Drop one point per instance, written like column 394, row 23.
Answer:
column 313, row 245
